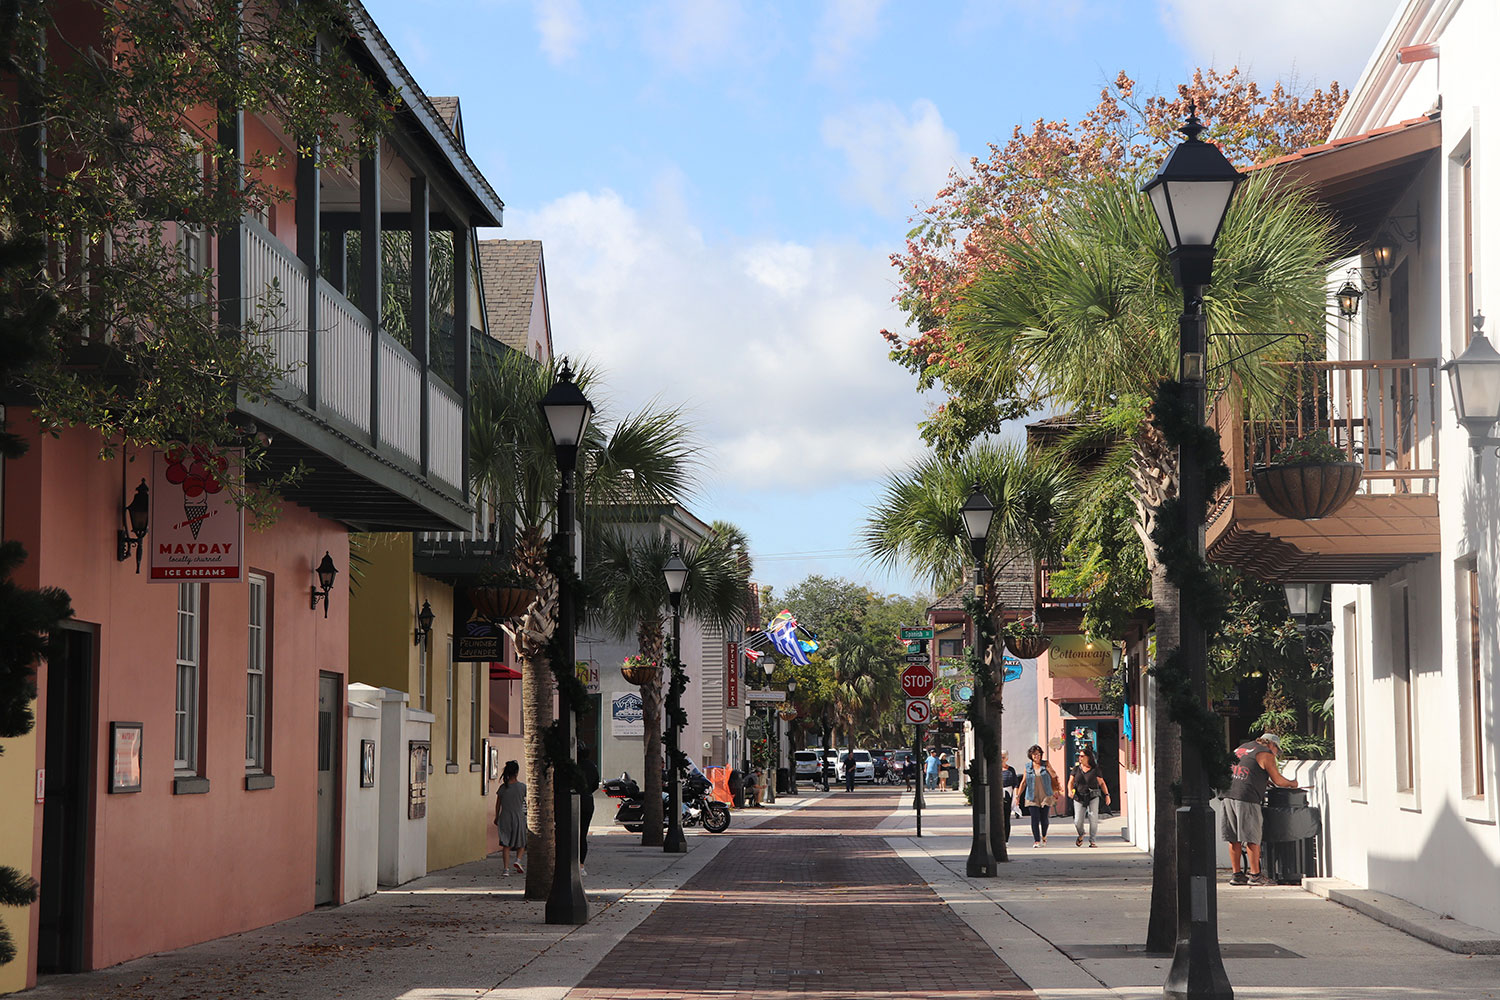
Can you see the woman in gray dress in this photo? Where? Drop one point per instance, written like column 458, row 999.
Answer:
column 510, row 817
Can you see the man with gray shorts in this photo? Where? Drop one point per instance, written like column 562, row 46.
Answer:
column 1254, row 768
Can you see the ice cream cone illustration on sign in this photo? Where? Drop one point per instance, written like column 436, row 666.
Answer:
column 199, row 472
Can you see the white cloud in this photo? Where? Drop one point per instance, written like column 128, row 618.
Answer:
column 686, row 35
column 894, row 159
column 844, row 25
column 1317, row 40
column 561, row 25
column 773, row 347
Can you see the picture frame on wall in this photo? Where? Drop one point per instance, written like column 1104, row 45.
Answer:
column 366, row 763
column 492, row 763
column 125, row 757
column 484, row 774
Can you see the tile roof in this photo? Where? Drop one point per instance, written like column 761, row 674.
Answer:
column 447, row 109
column 508, row 273
column 1348, row 140
column 1013, row 589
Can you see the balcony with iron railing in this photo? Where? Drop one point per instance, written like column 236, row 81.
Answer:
column 1382, row 415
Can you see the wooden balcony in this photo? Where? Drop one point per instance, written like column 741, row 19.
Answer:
column 350, row 402
column 1382, row 414
column 1055, row 613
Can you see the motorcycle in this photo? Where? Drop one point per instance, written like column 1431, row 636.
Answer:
column 697, row 807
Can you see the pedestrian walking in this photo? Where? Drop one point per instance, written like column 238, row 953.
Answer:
column 589, row 783
column 908, row 771
column 953, row 773
column 510, row 817
column 1008, row 782
column 850, row 768
column 1254, row 768
column 943, row 773
column 1039, row 790
column 1087, row 789
column 931, row 769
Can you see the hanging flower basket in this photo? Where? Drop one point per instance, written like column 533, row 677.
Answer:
column 1309, row 478
column 500, row 604
column 639, row 670
column 787, row 714
column 1027, row 647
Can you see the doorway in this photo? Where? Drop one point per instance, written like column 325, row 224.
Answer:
column 1102, row 736
column 63, row 903
column 330, row 700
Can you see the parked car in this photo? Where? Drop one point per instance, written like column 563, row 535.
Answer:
column 806, row 763
column 864, row 765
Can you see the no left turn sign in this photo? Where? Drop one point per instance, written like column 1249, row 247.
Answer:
column 918, row 711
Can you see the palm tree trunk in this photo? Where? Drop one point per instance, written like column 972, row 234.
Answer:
column 1166, row 742
column 537, row 689
column 654, row 834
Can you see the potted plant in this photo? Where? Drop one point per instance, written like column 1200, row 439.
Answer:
column 1309, row 478
column 638, row 669
column 502, row 594
column 1026, row 640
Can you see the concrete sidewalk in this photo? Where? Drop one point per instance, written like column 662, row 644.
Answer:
column 1071, row 922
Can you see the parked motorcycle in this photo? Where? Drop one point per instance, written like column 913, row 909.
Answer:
column 697, row 807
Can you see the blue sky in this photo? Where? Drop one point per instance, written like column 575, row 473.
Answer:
column 719, row 184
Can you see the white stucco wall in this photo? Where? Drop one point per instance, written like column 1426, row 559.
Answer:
column 361, row 805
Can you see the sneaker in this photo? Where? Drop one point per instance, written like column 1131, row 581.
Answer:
column 582, row 870
column 1239, row 878
column 1261, row 878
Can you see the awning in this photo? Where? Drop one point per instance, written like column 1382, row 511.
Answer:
column 501, row 672
column 1359, row 178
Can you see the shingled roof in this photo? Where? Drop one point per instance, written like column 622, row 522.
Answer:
column 1013, row 588
column 508, row 273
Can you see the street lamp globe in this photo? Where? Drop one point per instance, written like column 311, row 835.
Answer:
column 977, row 512
column 1191, row 194
column 1474, row 377
column 568, row 412
column 676, row 573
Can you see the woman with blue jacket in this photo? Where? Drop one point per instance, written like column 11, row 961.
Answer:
column 1039, row 789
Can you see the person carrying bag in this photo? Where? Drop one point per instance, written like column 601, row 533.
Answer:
column 1087, row 790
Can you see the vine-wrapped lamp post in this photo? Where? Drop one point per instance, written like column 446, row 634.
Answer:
column 791, row 775
column 978, row 512
column 676, row 573
column 568, row 412
column 1191, row 194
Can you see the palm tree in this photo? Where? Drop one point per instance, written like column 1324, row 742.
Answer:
column 917, row 521
column 644, row 458
column 625, row 572
column 1083, row 306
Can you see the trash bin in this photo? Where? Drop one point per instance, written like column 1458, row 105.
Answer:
column 1289, row 836
column 783, row 780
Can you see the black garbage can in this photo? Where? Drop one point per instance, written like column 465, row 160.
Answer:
column 783, row 780
column 1289, row 836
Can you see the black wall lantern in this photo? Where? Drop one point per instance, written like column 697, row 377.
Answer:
column 138, row 517
column 326, row 572
column 424, row 623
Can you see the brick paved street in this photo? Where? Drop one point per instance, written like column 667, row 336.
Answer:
column 811, row 903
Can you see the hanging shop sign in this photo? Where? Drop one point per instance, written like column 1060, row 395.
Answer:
column 588, row 674
column 1085, row 709
column 732, row 676
column 476, row 639
column 627, row 714
column 1075, row 656
column 197, row 530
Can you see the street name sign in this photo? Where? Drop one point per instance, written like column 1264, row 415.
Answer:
column 917, row 681
column 765, row 696
column 916, row 633
column 918, row 711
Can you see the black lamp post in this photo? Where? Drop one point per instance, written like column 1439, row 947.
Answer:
column 791, row 771
column 978, row 512
column 676, row 573
column 138, row 514
column 1191, row 196
column 568, row 412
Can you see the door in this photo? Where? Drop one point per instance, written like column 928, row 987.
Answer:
column 330, row 691
column 65, row 831
column 1403, row 389
column 1108, row 750
column 1078, row 734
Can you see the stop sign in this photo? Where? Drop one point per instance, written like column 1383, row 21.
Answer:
column 917, row 680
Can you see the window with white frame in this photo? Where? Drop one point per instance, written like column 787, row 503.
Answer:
column 1354, row 709
column 1405, row 696
column 256, row 667
column 189, row 636
column 476, row 702
column 422, row 676
column 450, row 717
column 1471, row 691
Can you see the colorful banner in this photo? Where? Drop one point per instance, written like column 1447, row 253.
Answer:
column 1075, row 656
column 732, row 676
column 197, row 530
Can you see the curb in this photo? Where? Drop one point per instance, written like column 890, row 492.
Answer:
column 1409, row 918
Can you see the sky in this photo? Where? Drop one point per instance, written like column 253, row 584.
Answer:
column 719, row 184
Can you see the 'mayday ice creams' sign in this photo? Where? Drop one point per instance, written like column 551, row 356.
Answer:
column 197, row 530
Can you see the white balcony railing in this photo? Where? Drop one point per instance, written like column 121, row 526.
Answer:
column 343, row 357
column 400, row 399
column 276, row 283
column 445, row 431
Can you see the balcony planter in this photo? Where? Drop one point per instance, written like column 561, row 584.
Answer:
column 1308, row 479
column 500, row 604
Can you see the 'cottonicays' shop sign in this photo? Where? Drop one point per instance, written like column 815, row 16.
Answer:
column 197, row 530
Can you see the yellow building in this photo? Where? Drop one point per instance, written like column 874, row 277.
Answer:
column 17, row 840
column 386, row 601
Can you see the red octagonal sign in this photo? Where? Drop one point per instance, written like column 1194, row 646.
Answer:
column 917, row 680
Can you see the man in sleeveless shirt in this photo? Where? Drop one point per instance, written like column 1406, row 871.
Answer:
column 1254, row 768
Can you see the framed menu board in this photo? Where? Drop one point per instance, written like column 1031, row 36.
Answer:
column 124, row 757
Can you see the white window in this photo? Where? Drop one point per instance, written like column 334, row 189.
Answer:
column 1354, row 716
column 1471, row 690
column 255, row 678
column 422, row 676
column 1405, row 696
column 189, row 630
column 450, row 716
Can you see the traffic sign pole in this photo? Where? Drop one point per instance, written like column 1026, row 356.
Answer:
column 916, row 753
